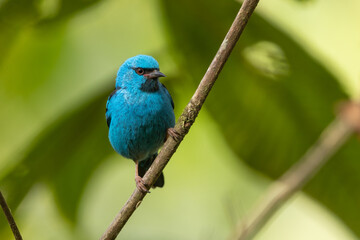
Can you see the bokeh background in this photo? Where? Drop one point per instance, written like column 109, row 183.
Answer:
column 277, row 92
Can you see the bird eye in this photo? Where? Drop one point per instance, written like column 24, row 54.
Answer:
column 140, row 71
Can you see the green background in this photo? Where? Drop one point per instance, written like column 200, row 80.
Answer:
column 294, row 62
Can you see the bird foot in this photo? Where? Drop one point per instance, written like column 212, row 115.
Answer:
column 173, row 133
column 140, row 184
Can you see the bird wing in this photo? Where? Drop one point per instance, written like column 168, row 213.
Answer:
column 168, row 95
column 108, row 113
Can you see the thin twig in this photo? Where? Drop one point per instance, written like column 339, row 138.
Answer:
column 333, row 137
column 187, row 118
column 9, row 217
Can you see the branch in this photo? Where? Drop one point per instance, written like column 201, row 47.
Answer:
column 186, row 119
column 9, row 217
column 332, row 138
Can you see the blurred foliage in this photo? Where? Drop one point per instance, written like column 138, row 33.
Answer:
column 55, row 75
column 67, row 170
column 15, row 15
column 281, row 106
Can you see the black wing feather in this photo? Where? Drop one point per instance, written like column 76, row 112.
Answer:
column 108, row 121
column 108, row 117
column 172, row 102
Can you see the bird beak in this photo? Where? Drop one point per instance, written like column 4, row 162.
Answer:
column 154, row 74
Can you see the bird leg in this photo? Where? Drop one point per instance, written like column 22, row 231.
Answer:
column 173, row 133
column 139, row 181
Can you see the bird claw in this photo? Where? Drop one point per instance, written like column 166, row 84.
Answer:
column 140, row 184
column 173, row 133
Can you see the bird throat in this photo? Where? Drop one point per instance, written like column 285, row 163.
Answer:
column 150, row 85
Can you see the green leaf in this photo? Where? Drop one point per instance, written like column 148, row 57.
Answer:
column 14, row 15
column 64, row 155
column 272, row 99
column 61, row 10
column 17, row 15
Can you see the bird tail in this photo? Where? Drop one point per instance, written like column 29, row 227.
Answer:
column 145, row 165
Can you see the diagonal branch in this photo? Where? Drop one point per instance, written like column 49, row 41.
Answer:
column 332, row 138
column 9, row 217
column 187, row 118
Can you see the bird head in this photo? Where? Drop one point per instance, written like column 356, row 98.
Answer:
column 140, row 72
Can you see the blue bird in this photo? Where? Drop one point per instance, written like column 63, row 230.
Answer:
column 140, row 115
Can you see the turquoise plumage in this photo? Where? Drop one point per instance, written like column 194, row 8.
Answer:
column 140, row 115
